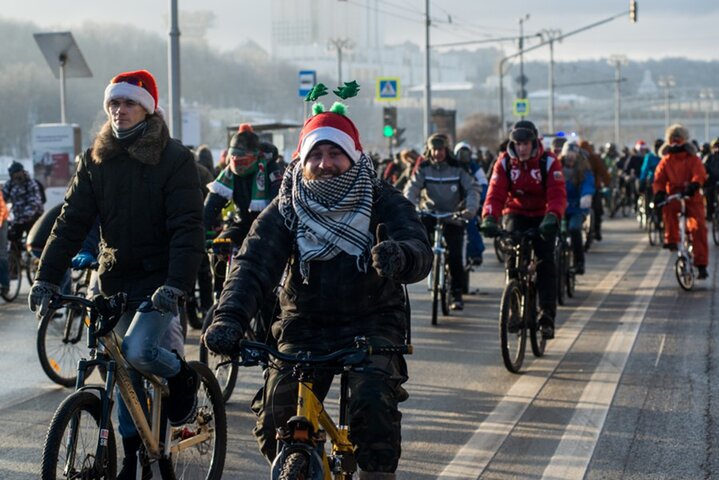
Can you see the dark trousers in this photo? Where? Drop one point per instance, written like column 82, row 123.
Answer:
column 204, row 281
column 374, row 416
column 710, row 194
column 546, row 270
column 598, row 211
column 454, row 238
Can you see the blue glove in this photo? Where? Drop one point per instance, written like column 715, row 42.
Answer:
column 83, row 259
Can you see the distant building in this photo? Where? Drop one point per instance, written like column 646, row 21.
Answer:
column 647, row 87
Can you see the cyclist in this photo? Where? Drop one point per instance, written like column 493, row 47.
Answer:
column 681, row 171
column 250, row 181
column 4, row 267
column 557, row 144
column 441, row 184
column 24, row 195
column 646, row 175
column 527, row 186
column 144, row 187
column 475, row 245
column 711, row 165
column 580, row 187
column 601, row 180
column 338, row 285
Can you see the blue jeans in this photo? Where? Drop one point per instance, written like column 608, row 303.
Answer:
column 149, row 338
column 574, row 226
column 475, row 244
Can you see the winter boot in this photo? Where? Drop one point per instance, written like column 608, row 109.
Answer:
column 129, row 463
column 182, row 404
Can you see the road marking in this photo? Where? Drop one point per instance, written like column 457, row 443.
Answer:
column 575, row 450
column 475, row 455
column 661, row 349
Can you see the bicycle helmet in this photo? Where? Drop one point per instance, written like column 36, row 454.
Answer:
column 460, row 146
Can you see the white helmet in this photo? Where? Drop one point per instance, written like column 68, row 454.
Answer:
column 460, row 146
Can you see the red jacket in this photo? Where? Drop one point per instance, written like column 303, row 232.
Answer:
column 677, row 170
column 525, row 194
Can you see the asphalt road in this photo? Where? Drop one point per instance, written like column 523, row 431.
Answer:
column 627, row 389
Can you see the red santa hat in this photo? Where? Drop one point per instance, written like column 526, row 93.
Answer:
column 330, row 127
column 139, row 86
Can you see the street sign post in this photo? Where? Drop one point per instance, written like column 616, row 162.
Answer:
column 308, row 79
column 521, row 107
column 387, row 89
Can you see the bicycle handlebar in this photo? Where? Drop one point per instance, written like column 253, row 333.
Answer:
column 442, row 215
column 107, row 310
column 256, row 353
column 670, row 198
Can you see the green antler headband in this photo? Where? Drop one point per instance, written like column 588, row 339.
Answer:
column 348, row 90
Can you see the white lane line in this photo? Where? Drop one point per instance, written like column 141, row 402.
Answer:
column 575, row 450
column 475, row 455
column 661, row 350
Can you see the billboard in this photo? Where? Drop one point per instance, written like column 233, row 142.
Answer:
column 54, row 146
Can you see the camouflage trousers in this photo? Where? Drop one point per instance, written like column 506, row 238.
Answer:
column 373, row 413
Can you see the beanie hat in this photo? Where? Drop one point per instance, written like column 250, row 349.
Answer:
column 138, row 86
column 15, row 167
column 330, row 127
column 245, row 138
column 676, row 131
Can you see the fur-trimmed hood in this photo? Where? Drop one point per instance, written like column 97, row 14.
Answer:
column 147, row 149
column 685, row 147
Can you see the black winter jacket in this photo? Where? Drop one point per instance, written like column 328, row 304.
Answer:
column 337, row 295
column 150, row 207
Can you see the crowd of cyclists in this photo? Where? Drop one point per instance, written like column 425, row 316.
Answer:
column 325, row 242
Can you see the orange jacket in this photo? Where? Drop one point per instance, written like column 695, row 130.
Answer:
column 4, row 213
column 677, row 170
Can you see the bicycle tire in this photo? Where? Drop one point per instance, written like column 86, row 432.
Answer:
column 626, row 208
column 435, row 289
column 511, row 307
column 684, row 273
column 295, row 467
column 74, row 406
column 715, row 228
column 15, row 275
column 226, row 375
column 536, row 339
column 195, row 318
column 499, row 250
column 186, row 464
column 443, row 292
column 571, row 275
column 31, row 268
column 59, row 356
column 561, row 271
column 654, row 231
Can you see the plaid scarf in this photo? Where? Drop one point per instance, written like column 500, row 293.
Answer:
column 329, row 216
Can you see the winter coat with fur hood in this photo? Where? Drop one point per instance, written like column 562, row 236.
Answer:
column 679, row 167
column 148, row 198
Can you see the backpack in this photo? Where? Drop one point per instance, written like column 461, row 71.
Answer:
column 542, row 170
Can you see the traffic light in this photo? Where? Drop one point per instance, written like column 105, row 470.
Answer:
column 633, row 11
column 397, row 141
column 389, row 121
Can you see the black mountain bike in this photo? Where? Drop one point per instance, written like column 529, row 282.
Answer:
column 518, row 308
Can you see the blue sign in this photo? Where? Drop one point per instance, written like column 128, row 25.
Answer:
column 387, row 88
column 308, row 79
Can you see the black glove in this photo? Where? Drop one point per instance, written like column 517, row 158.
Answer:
column 489, row 227
column 691, row 189
column 387, row 256
column 549, row 226
column 660, row 197
column 223, row 337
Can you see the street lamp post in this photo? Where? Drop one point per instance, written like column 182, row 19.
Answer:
column 427, row 77
column 617, row 61
column 340, row 44
column 708, row 95
column 550, row 35
column 522, row 80
column 667, row 83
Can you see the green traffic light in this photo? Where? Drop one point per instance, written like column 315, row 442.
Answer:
column 388, row 131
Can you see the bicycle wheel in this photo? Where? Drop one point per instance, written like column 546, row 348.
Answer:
column 588, row 231
column 204, row 459
column 536, row 339
column 226, row 375
column 444, row 291
column 626, row 207
column 715, row 228
column 60, row 347
column 295, row 467
column 436, row 288
column 15, row 271
column 71, row 442
column 512, row 330
column 561, row 271
column 30, row 265
column 194, row 313
column 571, row 275
column 654, row 230
column 684, row 273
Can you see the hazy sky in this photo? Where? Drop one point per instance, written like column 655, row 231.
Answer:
column 665, row 27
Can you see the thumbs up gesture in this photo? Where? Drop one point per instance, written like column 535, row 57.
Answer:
column 387, row 256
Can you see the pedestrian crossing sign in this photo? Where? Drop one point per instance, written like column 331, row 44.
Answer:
column 521, row 107
column 387, row 88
